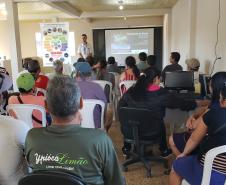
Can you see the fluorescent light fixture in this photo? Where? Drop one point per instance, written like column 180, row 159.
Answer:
column 121, row 7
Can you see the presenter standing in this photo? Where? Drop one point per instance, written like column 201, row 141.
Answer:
column 84, row 49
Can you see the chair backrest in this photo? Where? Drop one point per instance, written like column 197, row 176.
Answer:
column 125, row 85
column 24, row 112
column 51, row 178
column 147, row 122
column 87, row 113
column 107, row 88
column 116, row 87
column 208, row 164
column 209, row 158
column 43, row 91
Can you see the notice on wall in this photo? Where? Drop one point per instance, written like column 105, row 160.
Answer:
column 55, row 43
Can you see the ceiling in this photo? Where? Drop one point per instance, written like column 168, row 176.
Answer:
column 106, row 5
column 39, row 9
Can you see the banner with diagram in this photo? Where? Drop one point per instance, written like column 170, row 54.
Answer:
column 55, row 42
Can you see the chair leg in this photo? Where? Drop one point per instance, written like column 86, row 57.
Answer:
column 131, row 161
column 147, row 165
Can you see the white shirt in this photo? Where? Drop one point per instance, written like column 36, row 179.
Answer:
column 85, row 49
column 12, row 138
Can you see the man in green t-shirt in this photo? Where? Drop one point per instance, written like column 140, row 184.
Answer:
column 64, row 145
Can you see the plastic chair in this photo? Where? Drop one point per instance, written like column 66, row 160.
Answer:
column 141, row 128
column 116, row 94
column 104, row 85
column 125, row 85
column 51, row 178
column 87, row 113
column 24, row 112
column 208, row 164
column 43, row 91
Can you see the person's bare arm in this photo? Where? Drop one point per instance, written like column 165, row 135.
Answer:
column 203, row 103
column 196, row 137
column 193, row 120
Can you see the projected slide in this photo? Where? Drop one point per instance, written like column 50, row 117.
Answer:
column 124, row 42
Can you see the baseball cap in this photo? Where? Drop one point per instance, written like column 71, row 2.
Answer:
column 83, row 67
column 5, row 82
column 193, row 63
column 25, row 81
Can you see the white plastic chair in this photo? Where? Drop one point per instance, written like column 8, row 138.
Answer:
column 116, row 94
column 208, row 163
column 87, row 113
column 43, row 91
column 127, row 84
column 24, row 112
column 103, row 84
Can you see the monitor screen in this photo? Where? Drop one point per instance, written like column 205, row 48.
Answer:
column 179, row 80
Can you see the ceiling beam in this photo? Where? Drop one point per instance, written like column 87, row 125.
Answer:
column 26, row 1
column 126, row 13
column 64, row 6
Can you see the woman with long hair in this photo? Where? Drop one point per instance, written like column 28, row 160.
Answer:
column 209, row 132
column 131, row 72
column 178, row 140
column 147, row 93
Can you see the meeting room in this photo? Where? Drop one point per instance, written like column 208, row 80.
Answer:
column 112, row 92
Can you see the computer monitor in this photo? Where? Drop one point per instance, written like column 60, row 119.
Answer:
column 205, row 81
column 179, row 80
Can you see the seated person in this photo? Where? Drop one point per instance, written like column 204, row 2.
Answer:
column 12, row 162
column 112, row 65
column 148, row 94
column 142, row 64
column 3, row 70
column 103, row 74
column 193, row 65
column 25, row 62
column 12, row 137
column 178, row 140
column 131, row 72
column 174, row 66
column 25, row 83
column 90, row 60
column 58, row 69
column 88, row 153
column 5, row 84
column 41, row 81
column 210, row 132
column 92, row 90
column 151, row 60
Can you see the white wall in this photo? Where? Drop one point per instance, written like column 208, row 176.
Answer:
column 180, row 29
column 195, row 36
column 29, row 28
column 207, row 16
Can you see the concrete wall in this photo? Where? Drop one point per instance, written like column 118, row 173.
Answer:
column 194, row 32
column 29, row 28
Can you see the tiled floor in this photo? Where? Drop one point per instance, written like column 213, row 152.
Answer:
column 136, row 174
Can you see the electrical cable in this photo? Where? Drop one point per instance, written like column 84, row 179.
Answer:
column 217, row 41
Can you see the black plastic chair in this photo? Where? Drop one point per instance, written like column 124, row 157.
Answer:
column 46, row 177
column 141, row 128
